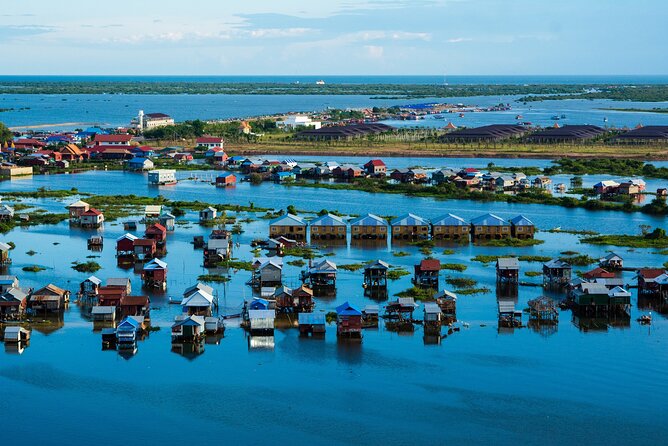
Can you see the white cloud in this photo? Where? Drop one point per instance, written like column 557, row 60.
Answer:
column 374, row 51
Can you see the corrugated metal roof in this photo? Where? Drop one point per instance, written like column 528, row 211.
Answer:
column 489, row 220
column 288, row 220
column 521, row 220
column 368, row 220
column 328, row 220
column 311, row 318
column 431, row 308
column 508, row 263
column 449, row 220
column 409, row 220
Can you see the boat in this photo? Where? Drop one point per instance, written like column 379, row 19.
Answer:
column 645, row 319
column 563, row 116
column 518, row 117
column 461, row 115
column 605, row 119
column 555, row 118
column 320, row 82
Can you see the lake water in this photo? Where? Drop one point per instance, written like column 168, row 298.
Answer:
column 72, row 111
column 479, row 385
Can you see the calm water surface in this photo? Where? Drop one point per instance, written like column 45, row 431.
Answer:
column 599, row 386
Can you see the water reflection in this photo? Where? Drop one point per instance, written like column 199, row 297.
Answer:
column 189, row 350
column 261, row 342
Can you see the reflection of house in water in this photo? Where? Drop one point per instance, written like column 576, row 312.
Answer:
column 375, row 279
column 189, row 350
column 261, row 342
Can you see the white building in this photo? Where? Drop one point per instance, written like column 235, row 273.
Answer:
column 295, row 121
column 162, row 176
column 150, row 121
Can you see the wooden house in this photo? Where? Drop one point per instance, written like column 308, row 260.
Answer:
column 268, row 272
column 410, row 227
column 401, row 309
column 226, row 179
column 122, row 283
column 198, row 301
column 125, row 245
column 5, row 259
column 207, row 214
column 433, row 317
column 158, row 233
column 647, row 283
column 557, row 272
column 348, row 321
column 328, row 227
column 49, row 299
column 375, row 275
column 135, row 306
column 261, row 321
column 299, row 300
column 311, row 324
column 509, row 317
column 16, row 335
column 447, row 302
column 92, row 218
column 289, row 226
column 167, row 220
column 612, row 262
column 110, row 296
column 594, row 299
column 369, row 227
column 598, row 273
column 152, row 211
column 6, row 212
column 449, row 227
column 154, row 274
column 321, row 275
column 76, row 209
column 507, row 270
column 13, row 303
column 521, row 227
column 188, row 328
column 543, row 310
column 105, row 313
column 489, row 226
column 7, row 282
column 90, row 287
column 217, row 250
column 426, row 273
column 443, row 176
column 541, row 182
column 370, row 316
column 375, row 168
column 144, row 249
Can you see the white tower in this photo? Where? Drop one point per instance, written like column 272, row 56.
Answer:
column 140, row 120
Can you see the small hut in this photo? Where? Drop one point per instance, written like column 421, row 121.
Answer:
column 328, row 227
column 89, row 287
column 312, row 324
column 103, row 313
column 543, row 310
column 612, row 262
column 188, row 328
column 521, row 227
column 433, row 316
column 647, row 281
column 410, row 227
column 127, row 332
column 348, row 321
column 557, row 272
column 261, row 321
column 401, row 309
column 4, row 254
column 368, row 227
column 158, row 233
column 321, row 275
column 16, row 334
column 154, row 274
column 49, row 299
column 507, row 270
column 125, row 245
column 198, row 301
column 167, row 220
column 426, row 273
column 370, row 316
column 447, row 302
column 375, row 275
column 509, row 317
column 207, row 214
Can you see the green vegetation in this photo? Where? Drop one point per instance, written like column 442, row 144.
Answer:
column 42, row 192
column 461, row 282
column 300, row 251
column 606, row 166
column 533, row 273
column 330, row 317
column 418, row 293
column 453, row 267
column 352, row 266
column 396, row 273
column 31, row 252
column 400, row 253
column 448, row 252
column 297, row 262
column 526, row 258
column 215, row 278
column 86, row 267
column 639, row 110
column 6, row 135
column 579, row 260
column 33, row 269
column 635, row 93
column 237, row 264
column 511, row 242
column 470, row 291
column 570, row 231
column 655, row 239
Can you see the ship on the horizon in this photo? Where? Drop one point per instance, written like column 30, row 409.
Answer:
column 320, row 82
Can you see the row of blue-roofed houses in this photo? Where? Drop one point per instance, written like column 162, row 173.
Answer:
column 405, row 227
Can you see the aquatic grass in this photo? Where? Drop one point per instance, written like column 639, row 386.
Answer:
column 417, row 293
column 510, row 242
column 448, row 252
column 397, row 273
column 471, row 291
column 237, row 264
column 400, row 253
column 579, row 260
column 655, row 239
column 461, row 282
column 352, row 266
column 297, row 262
column 454, row 267
column 86, row 267
column 215, row 278
column 300, row 251
column 533, row 273
column 33, row 269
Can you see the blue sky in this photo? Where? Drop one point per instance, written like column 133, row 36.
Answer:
column 292, row 37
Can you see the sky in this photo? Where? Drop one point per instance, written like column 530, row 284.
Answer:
column 312, row 37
